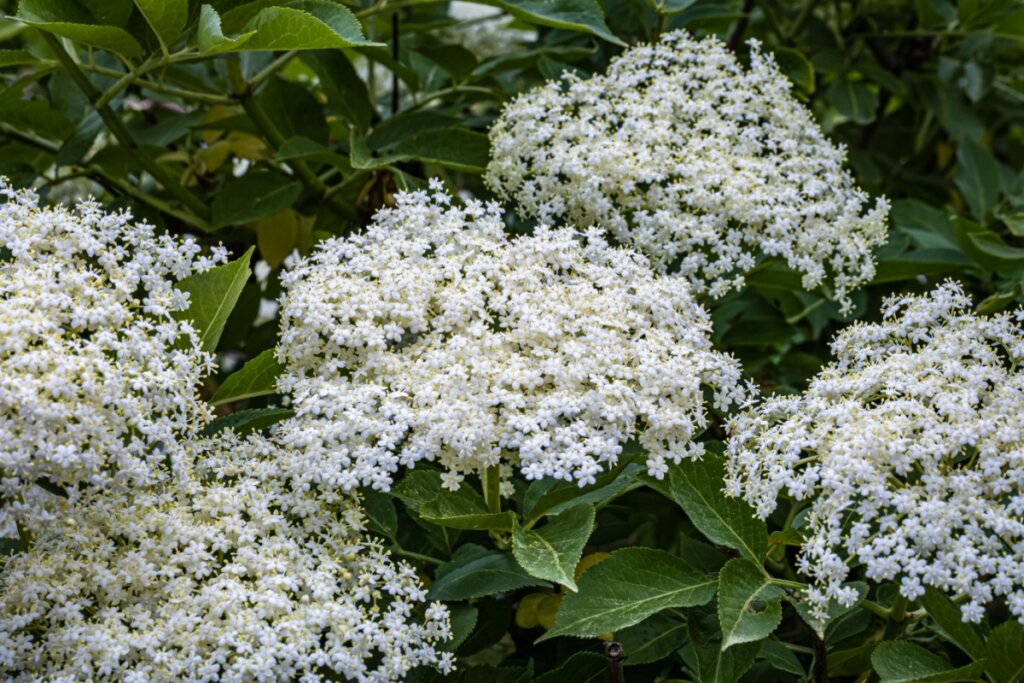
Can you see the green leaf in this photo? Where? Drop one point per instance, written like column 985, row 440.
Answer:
column 345, row 90
column 465, row 509
column 549, row 496
column 977, row 177
column 835, row 610
column 749, row 605
column 305, row 25
column 293, row 110
column 1005, row 652
column 16, row 58
column 553, row 551
column 258, row 377
column 210, row 37
column 950, row 620
column 253, row 196
column 417, row 487
column 796, row 67
column 626, row 588
column 991, row 244
column 574, row 15
column 652, row 639
column 454, row 147
column 51, row 487
column 110, row 12
column 715, row 664
column 381, row 516
column 582, row 667
column 920, row 262
column 853, row 99
column 463, row 618
column 167, row 18
column 247, row 421
column 474, row 572
column 212, row 296
column 697, row 487
column 68, row 19
column 781, row 657
column 897, row 661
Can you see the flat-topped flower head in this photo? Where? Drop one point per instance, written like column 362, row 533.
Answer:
column 702, row 165
column 434, row 337
column 227, row 574
column 99, row 379
column 910, row 447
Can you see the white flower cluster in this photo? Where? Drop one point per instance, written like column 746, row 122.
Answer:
column 698, row 163
column 432, row 336
column 911, row 448
column 228, row 574
column 99, row 379
column 484, row 31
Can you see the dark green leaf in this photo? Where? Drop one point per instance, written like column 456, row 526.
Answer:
column 1005, row 652
column 248, row 421
column 167, row 18
column 465, row 509
column 550, row 497
column 553, row 551
column 950, row 620
column 51, row 487
column 212, row 296
column 381, row 516
column 253, row 196
column 258, row 377
column 853, row 99
column 977, row 176
column 305, row 25
column 626, row 588
column 796, row 67
column 70, row 20
column 715, row 664
column 697, row 487
column 345, row 91
column 474, row 572
column 210, row 36
column 582, row 667
column 898, row 661
column 749, row 605
column 652, row 639
column 574, row 15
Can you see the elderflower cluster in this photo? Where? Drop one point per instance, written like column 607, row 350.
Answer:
column 432, row 336
column 98, row 378
column 910, row 446
column 227, row 574
column 701, row 165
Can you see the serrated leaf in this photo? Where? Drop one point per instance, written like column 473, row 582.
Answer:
column 212, row 297
column 553, row 551
column 454, row 147
column 897, row 661
column 781, row 657
column 247, row 421
column 345, row 90
column 628, row 587
column 697, row 487
column 949, row 618
column 258, row 377
column 417, row 487
column 749, row 605
column 70, row 20
column 167, row 18
column 463, row 620
column 573, row 15
column 251, row 197
column 474, row 572
column 305, row 25
column 465, row 509
column 210, row 36
column 652, row 639
column 1004, row 652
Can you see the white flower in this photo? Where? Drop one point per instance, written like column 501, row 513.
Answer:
column 434, row 337
column 227, row 573
column 910, row 447
column 98, row 378
column 703, row 166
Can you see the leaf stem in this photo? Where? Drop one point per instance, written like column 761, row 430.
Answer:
column 492, row 488
column 398, row 550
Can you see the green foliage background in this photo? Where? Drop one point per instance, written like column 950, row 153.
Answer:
column 147, row 103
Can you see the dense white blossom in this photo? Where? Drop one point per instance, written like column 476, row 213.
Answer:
column 432, row 336
column 228, row 573
column 98, row 378
column 699, row 163
column 910, row 448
